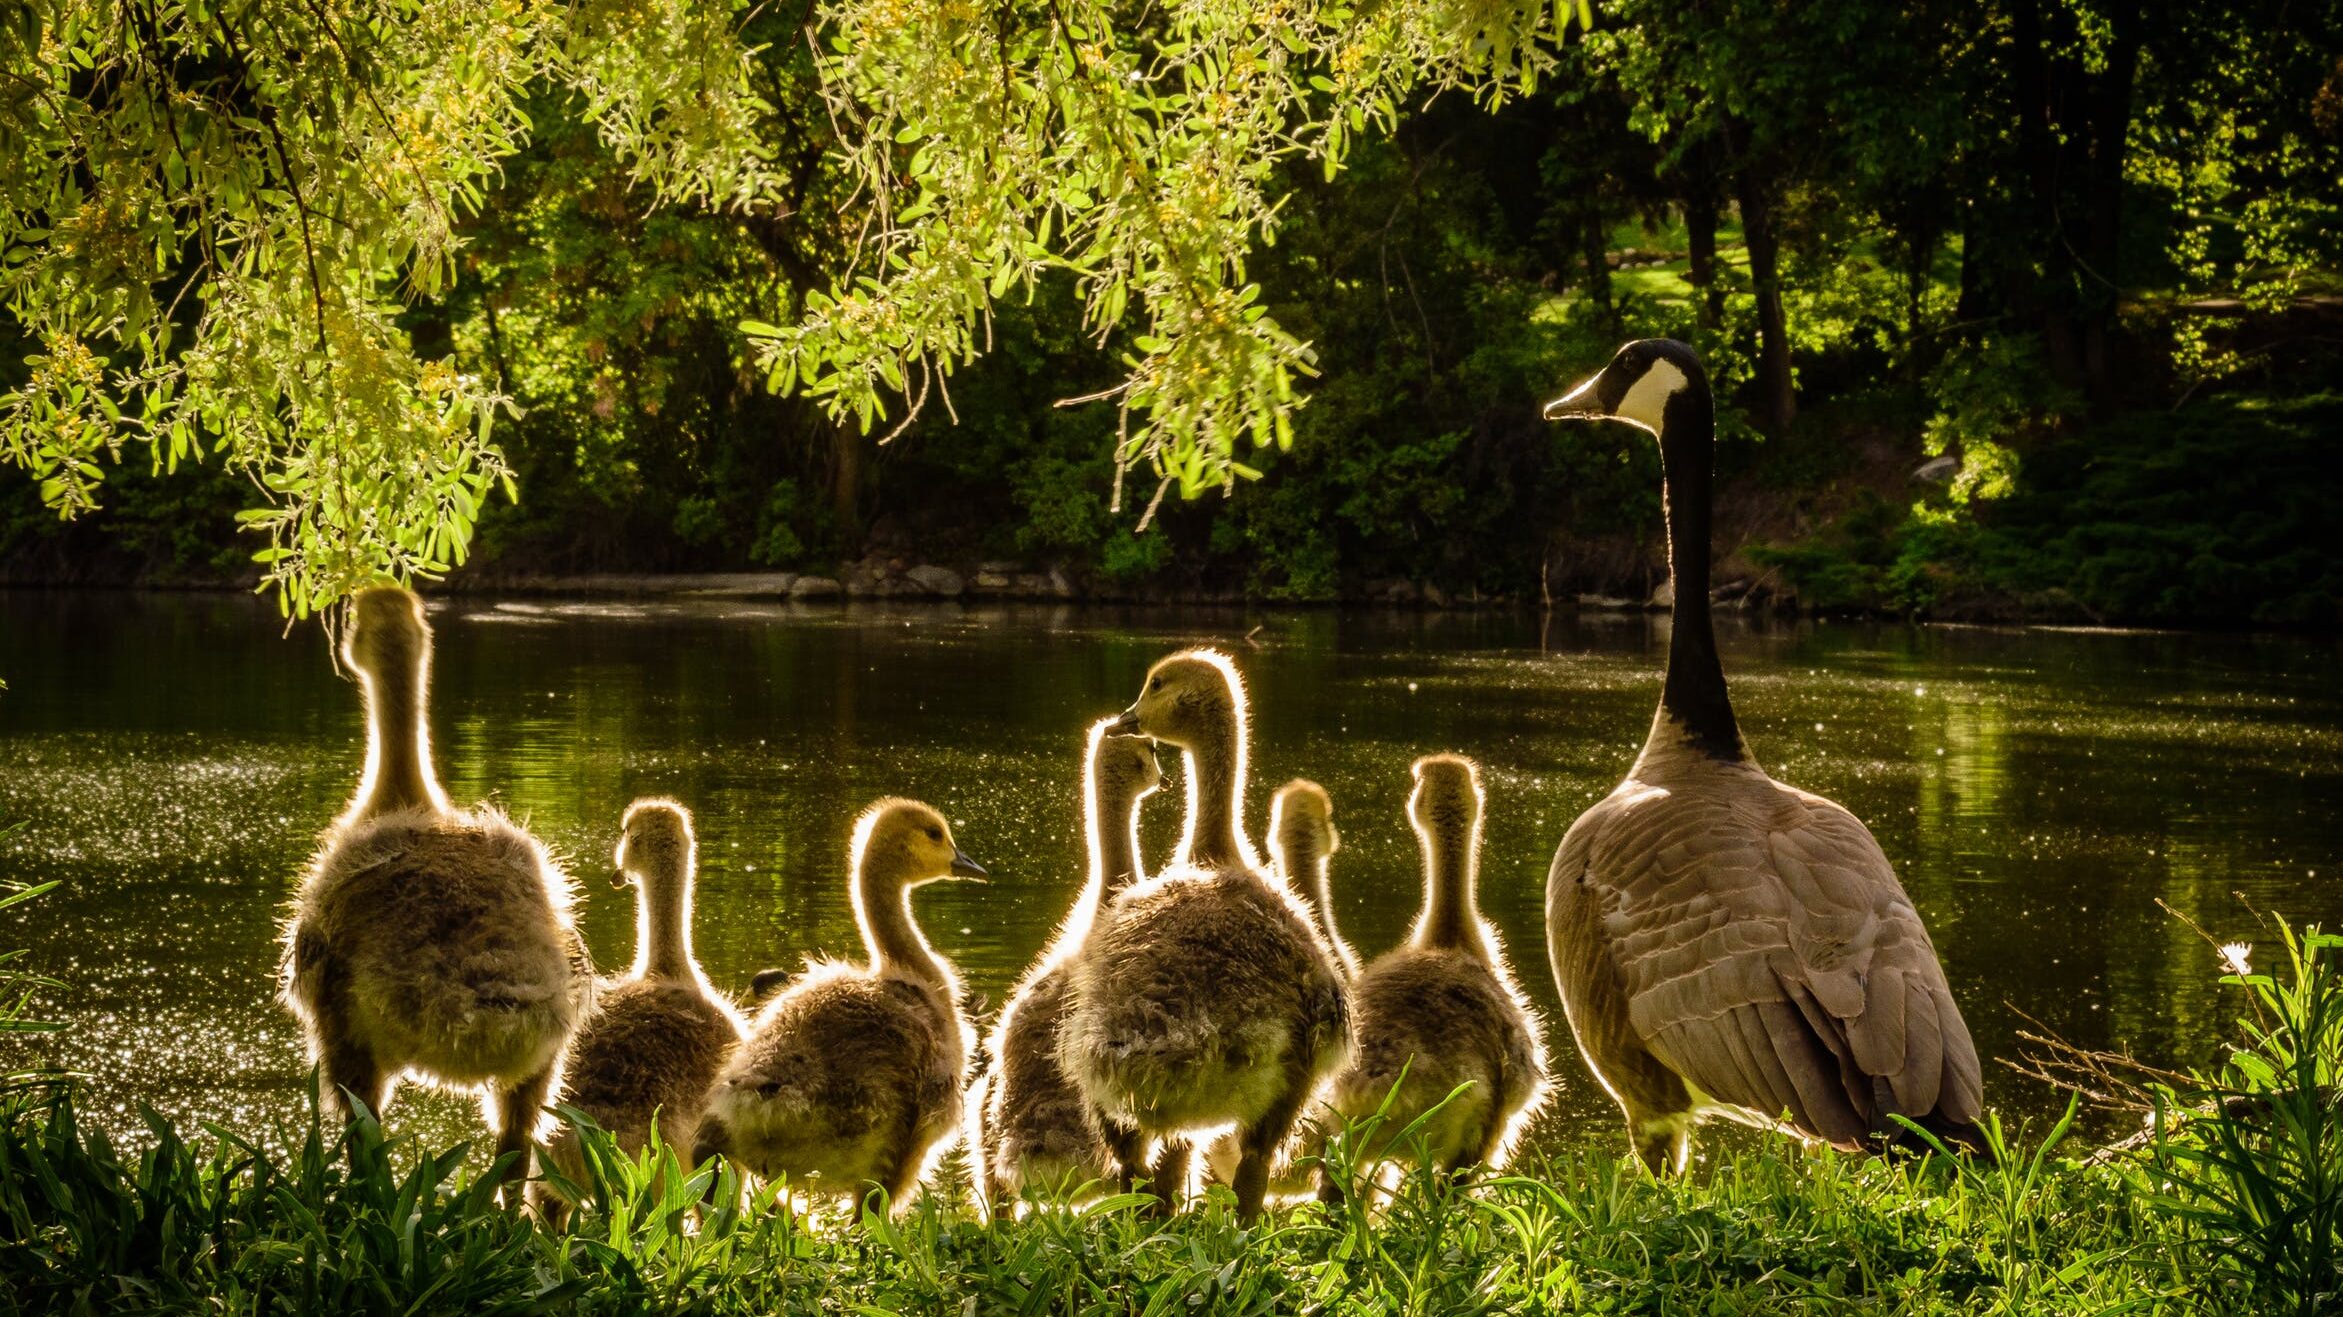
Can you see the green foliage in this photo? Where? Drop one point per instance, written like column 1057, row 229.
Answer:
column 374, row 268
column 208, row 221
column 1138, row 152
column 2251, row 1158
column 1991, row 395
column 19, row 987
column 2213, row 513
column 228, row 1222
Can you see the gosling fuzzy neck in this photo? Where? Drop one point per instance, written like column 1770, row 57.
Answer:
column 1302, row 861
column 1694, row 694
column 890, row 934
column 396, row 684
column 663, row 922
column 1113, row 825
column 1451, row 917
column 1214, row 837
column 1110, row 833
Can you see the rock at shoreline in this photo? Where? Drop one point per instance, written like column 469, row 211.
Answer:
column 938, row 581
column 728, row 585
column 815, row 587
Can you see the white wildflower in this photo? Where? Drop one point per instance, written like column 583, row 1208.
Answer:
column 2233, row 955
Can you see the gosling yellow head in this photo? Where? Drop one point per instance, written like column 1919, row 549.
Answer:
column 654, row 841
column 1188, row 698
column 909, row 843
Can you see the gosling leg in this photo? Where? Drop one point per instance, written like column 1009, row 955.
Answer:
column 1170, row 1176
column 1258, row 1143
column 713, row 1139
column 347, row 1070
column 518, row 1108
column 347, row 1074
column 1126, row 1147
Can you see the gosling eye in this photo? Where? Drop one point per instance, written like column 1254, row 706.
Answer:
column 935, row 834
column 1156, row 684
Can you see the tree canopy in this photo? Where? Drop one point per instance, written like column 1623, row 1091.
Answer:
column 676, row 271
column 213, row 216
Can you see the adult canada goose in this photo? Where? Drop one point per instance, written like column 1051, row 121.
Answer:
column 1440, row 1014
column 1726, row 944
column 852, row 1075
column 428, row 941
column 1204, row 997
column 1032, row 1127
column 661, row 1034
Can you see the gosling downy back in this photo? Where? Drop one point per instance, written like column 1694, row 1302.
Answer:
column 426, row 940
column 1031, row 1127
column 653, row 1050
column 1442, row 1012
column 852, row 1076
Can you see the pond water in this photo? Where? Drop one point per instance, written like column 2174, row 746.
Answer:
column 172, row 757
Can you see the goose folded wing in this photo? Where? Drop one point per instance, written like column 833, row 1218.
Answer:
column 1863, row 953
column 1701, row 929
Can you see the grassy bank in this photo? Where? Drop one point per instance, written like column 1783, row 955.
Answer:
column 2233, row 1205
column 219, row 1222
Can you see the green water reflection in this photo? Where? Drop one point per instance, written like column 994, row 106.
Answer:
column 174, row 756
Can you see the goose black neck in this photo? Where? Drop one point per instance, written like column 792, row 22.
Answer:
column 1694, row 694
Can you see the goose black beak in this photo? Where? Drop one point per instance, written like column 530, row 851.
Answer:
column 1127, row 725
column 1580, row 404
column 963, row 867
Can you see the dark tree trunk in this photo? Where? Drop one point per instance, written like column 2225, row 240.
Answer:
column 2041, row 292
column 1594, row 252
column 846, row 487
column 1700, row 233
column 2111, row 111
column 1777, row 399
column 1974, row 304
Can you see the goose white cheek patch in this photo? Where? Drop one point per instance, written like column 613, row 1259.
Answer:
column 1647, row 401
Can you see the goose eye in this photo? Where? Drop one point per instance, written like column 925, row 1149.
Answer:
column 935, row 834
column 1156, row 684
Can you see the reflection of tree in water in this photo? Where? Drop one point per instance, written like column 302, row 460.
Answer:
column 2180, row 1004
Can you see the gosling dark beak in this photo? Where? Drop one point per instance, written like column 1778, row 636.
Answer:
column 963, row 867
column 618, row 879
column 1580, row 404
column 1127, row 725
column 1155, row 752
